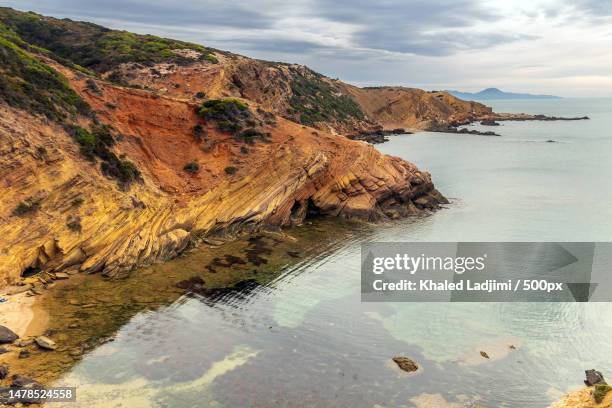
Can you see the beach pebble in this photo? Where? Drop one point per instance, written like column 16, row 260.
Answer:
column 23, row 342
column 46, row 343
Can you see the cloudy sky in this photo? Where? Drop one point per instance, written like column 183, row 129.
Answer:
column 561, row 47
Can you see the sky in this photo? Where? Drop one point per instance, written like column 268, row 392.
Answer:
column 559, row 47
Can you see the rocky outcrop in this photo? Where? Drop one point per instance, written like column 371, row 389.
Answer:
column 297, row 173
column 414, row 109
column 598, row 393
column 124, row 172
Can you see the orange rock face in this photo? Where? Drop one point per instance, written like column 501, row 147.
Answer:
column 296, row 173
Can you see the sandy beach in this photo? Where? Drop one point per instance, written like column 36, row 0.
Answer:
column 21, row 314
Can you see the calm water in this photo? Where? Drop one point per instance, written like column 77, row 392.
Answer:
column 302, row 338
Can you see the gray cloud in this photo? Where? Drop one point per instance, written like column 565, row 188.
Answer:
column 411, row 26
column 156, row 12
column 596, row 9
column 427, row 43
column 416, row 26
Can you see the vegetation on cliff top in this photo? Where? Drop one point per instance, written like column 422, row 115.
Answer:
column 95, row 47
column 315, row 100
column 28, row 84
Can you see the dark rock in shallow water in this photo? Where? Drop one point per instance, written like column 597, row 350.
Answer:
column 193, row 284
column 484, row 354
column 378, row 136
column 7, row 335
column 463, row 131
column 489, row 122
column 593, row 377
column 3, row 372
column 551, row 141
column 406, row 364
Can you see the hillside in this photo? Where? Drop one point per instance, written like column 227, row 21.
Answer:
column 118, row 150
column 183, row 70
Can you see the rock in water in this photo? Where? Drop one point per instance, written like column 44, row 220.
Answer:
column 3, row 372
column 46, row 343
column 484, row 354
column 406, row 364
column 593, row 377
column 7, row 335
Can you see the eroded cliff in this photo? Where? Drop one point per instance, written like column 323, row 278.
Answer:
column 103, row 177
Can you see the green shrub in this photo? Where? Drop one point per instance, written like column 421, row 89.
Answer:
column 218, row 109
column 228, row 127
column 231, row 170
column 315, row 100
column 600, row 391
column 97, row 144
column 192, row 167
column 77, row 202
column 74, row 223
column 29, row 84
column 28, row 206
column 249, row 135
column 123, row 170
column 230, row 115
column 198, row 132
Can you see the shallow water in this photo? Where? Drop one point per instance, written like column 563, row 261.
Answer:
column 292, row 332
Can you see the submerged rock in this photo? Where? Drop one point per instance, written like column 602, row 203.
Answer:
column 7, row 335
column 593, row 377
column 489, row 122
column 406, row 364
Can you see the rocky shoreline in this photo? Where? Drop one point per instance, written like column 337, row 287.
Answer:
column 596, row 394
column 378, row 136
column 493, row 119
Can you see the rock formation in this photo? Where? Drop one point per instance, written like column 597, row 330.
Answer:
column 123, row 170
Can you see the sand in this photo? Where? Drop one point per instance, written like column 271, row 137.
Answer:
column 23, row 315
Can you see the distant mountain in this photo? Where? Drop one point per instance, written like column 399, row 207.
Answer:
column 495, row 93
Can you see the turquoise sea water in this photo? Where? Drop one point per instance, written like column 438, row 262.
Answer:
column 306, row 340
